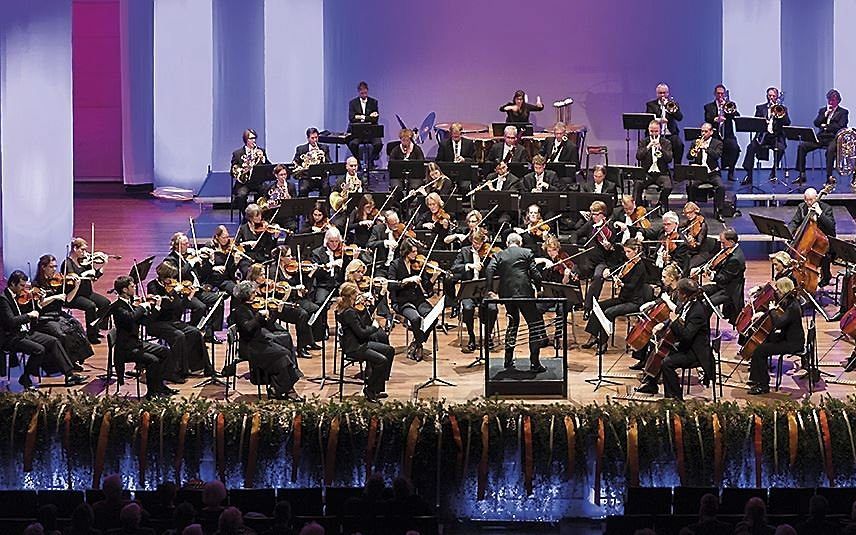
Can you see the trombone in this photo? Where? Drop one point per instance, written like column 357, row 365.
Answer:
column 671, row 106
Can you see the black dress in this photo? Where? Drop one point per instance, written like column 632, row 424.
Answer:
column 55, row 321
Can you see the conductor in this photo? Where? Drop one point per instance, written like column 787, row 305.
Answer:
column 518, row 278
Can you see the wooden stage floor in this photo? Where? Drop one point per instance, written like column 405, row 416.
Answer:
column 136, row 226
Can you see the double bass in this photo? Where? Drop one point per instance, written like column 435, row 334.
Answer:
column 810, row 246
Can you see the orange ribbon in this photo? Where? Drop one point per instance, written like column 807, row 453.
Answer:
column 330, row 458
column 220, row 444
column 485, row 440
column 633, row 452
column 598, row 460
column 793, row 438
column 459, row 444
column 571, row 435
column 101, row 451
column 528, row 463
column 30, row 440
column 66, row 441
column 371, row 445
column 410, row 447
column 145, row 423
column 297, row 427
column 717, row 451
column 827, row 447
column 758, row 451
column 679, row 447
column 179, row 449
column 253, row 453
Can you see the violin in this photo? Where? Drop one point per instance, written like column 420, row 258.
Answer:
column 486, row 249
column 306, row 266
column 352, row 250
column 58, row 280
column 362, row 301
column 30, row 295
column 399, row 230
column 693, row 231
column 539, row 229
column 604, row 236
column 321, row 226
column 264, row 226
column 430, row 266
column 441, row 217
column 150, row 299
column 639, row 216
column 183, row 288
column 561, row 263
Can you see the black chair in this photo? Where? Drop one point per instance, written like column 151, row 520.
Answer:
column 648, row 501
column 117, row 362
column 345, row 362
column 686, row 500
column 94, row 495
column 733, row 500
column 253, row 500
column 335, row 498
column 304, row 502
column 789, row 501
column 64, row 500
column 18, row 504
column 257, row 376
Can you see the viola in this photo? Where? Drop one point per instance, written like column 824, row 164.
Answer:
column 693, row 231
column 29, row 295
column 184, row 288
column 58, row 280
column 561, row 263
column 641, row 333
column 604, row 236
column 264, row 226
column 761, row 301
column 485, row 250
column 430, row 266
column 97, row 258
column 539, row 229
column 640, row 217
column 400, row 229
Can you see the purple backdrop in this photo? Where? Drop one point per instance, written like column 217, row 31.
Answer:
column 463, row 59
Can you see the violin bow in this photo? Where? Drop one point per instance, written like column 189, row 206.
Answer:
column 542, row 222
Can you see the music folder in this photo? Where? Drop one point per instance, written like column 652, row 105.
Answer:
column 800, row 133
column 636, row 121
column 366, row 130
column 523, row 129
column 750, row 124
column 692, row 134
column 691, row 172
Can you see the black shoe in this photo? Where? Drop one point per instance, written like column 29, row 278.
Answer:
column 27, row 383
column 314, row 346
column 77, row 367
column 799, row 180
column 719, row 217
column 731, row 176
column 94, row 340
column 537, row 368
column 454, row 313
column 304, row 353
column 639, row 366
column 74, row 380
column 371, row 397
column 508, row 364
column 747, row 181
column 295, row 397
column 757, row 390
column 382, row 395
column 592, row 341
column 177, row 379
column 649, row 387
column 491, row 344
column 228, row 370
column 469, row 348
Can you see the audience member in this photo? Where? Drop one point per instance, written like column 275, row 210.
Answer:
column 786, row 529
column 281, row 520
column 107, row 511
column 47, row 518
column 405, row 502
column 312, row 528
column 164, row 507
column 231, row 522
column 192, row 529
column 81, row 521
column 707, row 523
column 371, row 503
column 816, row 521
column 34, row 529
column 183, row 516
column 213, row 496
column 130, row 518
column 755, row 519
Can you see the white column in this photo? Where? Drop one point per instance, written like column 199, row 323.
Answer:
column 844, row 48
column 183, row 97
column 751, row 30
column 294, row 73
column 35, row 130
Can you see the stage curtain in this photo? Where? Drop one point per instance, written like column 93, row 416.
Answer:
column 136, row 34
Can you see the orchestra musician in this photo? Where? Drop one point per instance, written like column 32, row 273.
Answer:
column 261, row 345
column 188, row 349
column 358, row 343
column 278, row 191
column 557, row 268
column 406, row 150
column 193, row 269
column 224, row 260
column 599, row 236
column 362, row 220
column 243, row 160
column 691, row 348
column 559, row 147
column 706, row 151
column 57, row 291
column 469, row 265
column 508, row 151
column 633, row 292
column 311, row 153
column 720, row 114
column 773, row 138
column 727, row 272
column 541, row 179
column 364, row 109
column 127, row 317
column 830, row 119
column 317, row 220
column 783, row 266
column 256, row 236
column 456, row 149
column 409, row 286
column 694, row 230
column 356, row 273
column 654, row 154
column 822, row 213
column 503, row 180
column 330, row 259
column 599, row 183
column 435, row 181
column 518, row 110
column 82, row 263
column 299, row 308
column 473, row 221
column 384, row 242
column 787, row 336
column 535, row 230
column 634, row 219
column 669, row 278
column 667, row 113
column 518, row 277
column 347, row 185
column 435, row 218
column 673, row 247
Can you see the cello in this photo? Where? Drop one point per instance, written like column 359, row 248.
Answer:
column 760, row 301
column 810, row 245
column 641, row 333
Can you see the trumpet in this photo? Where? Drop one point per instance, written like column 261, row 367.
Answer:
column 696, row 148
column 654, row 145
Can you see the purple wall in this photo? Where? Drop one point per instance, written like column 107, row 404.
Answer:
column 96, row 90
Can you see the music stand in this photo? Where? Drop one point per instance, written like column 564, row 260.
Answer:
column 523, row 129
column 211, row 379
column 581, row 202
column 622, row 174
column 474, row 289
column 306, row 242
column 752, row 125
column 430, row 322
column 322, row 311
column 452, row 204
column 140, row 270
column 638, row 122
column 366, row 131
column 606, row 325
column 459, row 171
column 692, row 172
column 564, row 170
column 802, row 134
column 518, row 169
column 505, row 201
column 409, row 170
column 550, row 202
column 259, row 174
column 326, row 170
column 692, row 134
column 574, row 298
column 843, row 250
column 295, row 207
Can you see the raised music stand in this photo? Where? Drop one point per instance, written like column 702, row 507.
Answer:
column 638, row 122
column 430, row 322
column 140, row 270
column 574, row 298
column 212, row 379
column 523, row 129
column 772, row 227
column 550, row 202
column 306, row 242
column 564, row 169
column 606, row 325
column 621, row 175
column 692, row 173
column 410, row 171
column 752, row 125
column 518, row 169
column 460, row 172
column 326, row 170
column 692, row 134
column 366, row 133
column 295, row 207
column 322, row 313
column 475, row 289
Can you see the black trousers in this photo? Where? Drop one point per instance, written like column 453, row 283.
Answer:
column 414, row 314
column 69, row 342
column 189, row 352
column 152, row 358
column 612, row 308
column 758, row 365
column 677, row 147
column 42, row 348
column 468, row 315
column 376, row 143
column 378, row 358
column 663, row 180
column 561, row 317
column 199, row 307
column 535, row 323
column 317, row 183
column 768, row 142
column 730, row 153
column 299, row 317
column 91, row 305
column 715, row 180
column 240, row 192
column 595, row 285
column 809, row 146
column 277, row 361
column 673, row 362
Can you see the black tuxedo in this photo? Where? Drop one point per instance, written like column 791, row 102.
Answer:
column 634, row 292
column 608, row 187
column 645, row 157
column 554, row 183
column 129, row 347
column 238, row 155
column 271, row 352
column 409, row 299
column 518, row 277
column 711, row 112
column 826, row 132
column 518, row 154
column 764, row 141
column 728, row 284
column 359, row 343
column 240, row 192
column 446, row 152
column 304, row 149
column 693, row 346
column 655, row 107
column 713, row 154
column 416, row 153
column 567, row 153
column 308, row 183
column 354, row 109
column 510, row 183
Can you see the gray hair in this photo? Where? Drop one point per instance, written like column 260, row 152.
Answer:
column 672, row 217
column 513, row 239
column 332, row 233
column 510, row 131
column 243, row 290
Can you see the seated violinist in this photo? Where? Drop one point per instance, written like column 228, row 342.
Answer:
column 556, row 267
column 330, row 274
column 224, row 261
column 596, row 234
column 261, row 346
column 362, row 220
column 534, row 230
column 694, row 230
column 473, row 220
column 630, row 219
column 189, row 352
column 672, row 247
column 409, row 287
column 630, row 279
column 317, row 220
column 192, row 270
column 668, row 283
column 268, row 296
column 384, row 241
column 359, row 343
column 291, row 289
column 377, row 287
column 787, row 336
column 726, row 270
column 684, row 342
column 256, row 236
column 469, row 264
column 89, row 266
column 435, row 218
